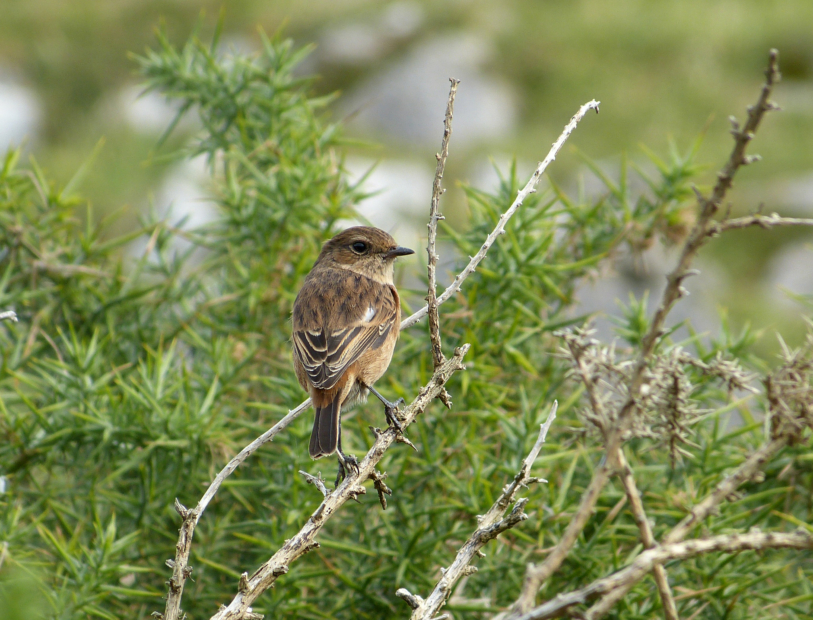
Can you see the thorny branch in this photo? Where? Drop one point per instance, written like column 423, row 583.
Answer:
column 763, row 221
column 637, row 570
column 434, row 217
column 499, row 228
column 180, row 565
column 644, row 527
column 305, row 540
column 703, row 229
column 489, row 527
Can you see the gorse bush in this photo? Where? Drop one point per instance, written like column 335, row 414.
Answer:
column 130, row 380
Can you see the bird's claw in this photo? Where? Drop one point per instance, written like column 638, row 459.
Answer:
column 389, row 412
column 348, row 464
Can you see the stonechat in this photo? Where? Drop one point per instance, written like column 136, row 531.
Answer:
column 346, row 320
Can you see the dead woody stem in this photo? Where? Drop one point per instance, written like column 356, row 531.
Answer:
column 180, row 565
column 264, row 577
column 490, row 525
column 434, row 217
column 703, row 229
column 626, row 577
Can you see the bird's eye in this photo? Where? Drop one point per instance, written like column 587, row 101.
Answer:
column 359, row 247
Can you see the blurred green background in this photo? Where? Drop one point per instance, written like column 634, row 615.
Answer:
column 662, row 70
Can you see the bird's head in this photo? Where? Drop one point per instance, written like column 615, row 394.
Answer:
column 365, row 250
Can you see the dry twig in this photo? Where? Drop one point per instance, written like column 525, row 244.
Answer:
column 703, row 229
column 305, row 540
column 644, row 527
column 180, row 565
column 181, row 569
column 489, row 526
column 625, row 578
column 434, row 218
column 499, row 228
column 763, row 221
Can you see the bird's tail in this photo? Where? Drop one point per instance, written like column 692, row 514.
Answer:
column 325, row 434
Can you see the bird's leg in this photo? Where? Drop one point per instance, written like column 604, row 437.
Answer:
column 389, row 408
column 347, row 462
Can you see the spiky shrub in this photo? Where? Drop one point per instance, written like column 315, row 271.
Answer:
column 129, row 381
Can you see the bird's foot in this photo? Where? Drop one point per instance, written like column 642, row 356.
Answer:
column 348, row 464
column 389, row 411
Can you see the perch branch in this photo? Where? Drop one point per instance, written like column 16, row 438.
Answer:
column 536, row 575
column 181, row 570
column 434, row 217
column 489, row 527
column 8, row 315
column 305, row 540
column 498, row 230
column 180, row 565
column 637, row 570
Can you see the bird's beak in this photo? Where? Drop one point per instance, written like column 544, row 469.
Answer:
column 399, row 251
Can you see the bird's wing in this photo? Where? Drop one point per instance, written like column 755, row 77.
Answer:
column 327, row 348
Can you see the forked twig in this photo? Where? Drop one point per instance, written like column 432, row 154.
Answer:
column 703, row 229
column 489, row 526
column 180, row 564
column 305, row 540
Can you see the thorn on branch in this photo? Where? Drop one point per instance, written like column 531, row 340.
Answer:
column 355, row 491
column 316, row 481
column 445, row 398
column 279, row 570
column 182, row 510
column 381, row 487
column 401, row 438
column 413, row 600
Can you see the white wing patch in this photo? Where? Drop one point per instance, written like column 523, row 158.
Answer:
column 368, row 316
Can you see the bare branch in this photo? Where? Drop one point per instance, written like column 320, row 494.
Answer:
column 725, row 488
column 489, row 527
column 536, row 576
column 8, row 315
column 434, row 217
column 638, row 513
column 498, row 230
column 632, row 574
column 180, row 566
column 705, row 226
column 181, row 569
column 763, row 221
column 305, row 540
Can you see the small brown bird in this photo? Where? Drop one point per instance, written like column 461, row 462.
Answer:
column 346, row 320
